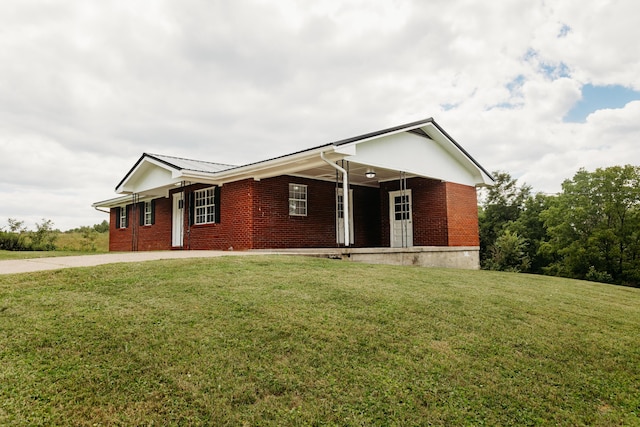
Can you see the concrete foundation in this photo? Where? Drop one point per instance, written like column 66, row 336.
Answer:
column 423, row 256
column 463, row 257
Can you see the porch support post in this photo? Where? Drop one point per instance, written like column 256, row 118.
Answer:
column 345, row 197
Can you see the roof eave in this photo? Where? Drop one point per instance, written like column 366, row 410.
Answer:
column 115, row 202
column 274, row 167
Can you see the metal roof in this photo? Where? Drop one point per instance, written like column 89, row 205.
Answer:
column 190, row 164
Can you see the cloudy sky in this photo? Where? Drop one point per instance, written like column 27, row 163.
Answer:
column 536, row 88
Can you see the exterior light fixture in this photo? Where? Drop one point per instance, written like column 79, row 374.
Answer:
column 370, row 173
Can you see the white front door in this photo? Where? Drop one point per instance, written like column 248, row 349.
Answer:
column 340, row 216
column 401, row 219
column 177, row 224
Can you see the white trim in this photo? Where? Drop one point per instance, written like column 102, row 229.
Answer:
column 122, row 220
column 345, row 186
column 149, row 213
column 203, row 211
column 406, row 224
column 298, row 206
column 340, row 222
column 177, row 220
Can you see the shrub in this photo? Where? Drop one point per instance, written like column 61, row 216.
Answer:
column 10, row 241
column 594, row 275
column 508, row 253
column 43, row 239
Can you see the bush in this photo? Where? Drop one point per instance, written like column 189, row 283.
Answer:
column 10, row 241
column 508, row 253
column 594, row 275
column 43, row 239
column 18, row 238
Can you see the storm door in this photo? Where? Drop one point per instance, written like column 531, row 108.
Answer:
column 400, row 217
column 177, row 222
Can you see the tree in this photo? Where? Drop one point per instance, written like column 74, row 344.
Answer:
column 103, row 227
column 594, row 225
column 43, row 239
column 530, row 226
column 502, row 205
column 508, row 253
column 16, row 226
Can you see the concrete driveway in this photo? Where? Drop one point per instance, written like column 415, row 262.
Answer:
column 54, row 263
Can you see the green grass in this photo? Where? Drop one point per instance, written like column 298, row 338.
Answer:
column 41, row 254
column 300, row 341
column 76, row 241
column 67, row 244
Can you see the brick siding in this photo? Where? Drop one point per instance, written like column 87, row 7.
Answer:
column 255, row 215
column 462, row 215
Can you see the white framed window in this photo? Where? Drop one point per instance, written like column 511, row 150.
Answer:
column 122, row 217
column 148, row 215
column 205, row 206
column 297, row 200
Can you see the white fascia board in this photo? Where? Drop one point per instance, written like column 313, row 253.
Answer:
column 346, row 149
column 113, row 203
column 382, row 135
column 270, row 168
column 197, row 177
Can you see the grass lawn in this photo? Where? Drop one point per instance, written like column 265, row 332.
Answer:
column 42, row 254
column 76, row 241
column 302, row 341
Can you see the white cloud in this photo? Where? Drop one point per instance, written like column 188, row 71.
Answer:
column 88, row 86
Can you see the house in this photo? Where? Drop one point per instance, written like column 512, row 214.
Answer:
column 406, row 194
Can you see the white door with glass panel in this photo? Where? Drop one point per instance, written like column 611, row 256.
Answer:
column 177, row 223
column 340, row 216
column 401, row 219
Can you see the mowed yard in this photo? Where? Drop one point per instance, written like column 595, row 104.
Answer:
column 302, row 341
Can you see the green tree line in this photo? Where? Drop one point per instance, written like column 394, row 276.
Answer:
column 590, row 230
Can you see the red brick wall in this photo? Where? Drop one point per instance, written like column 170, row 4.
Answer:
column 429, row 211
column 255, row 214
column 233, row 228
column 157, row 236
column 273, row 226
column 430, row 227
column 149, row 237
column 119, row 238
column 462, row 215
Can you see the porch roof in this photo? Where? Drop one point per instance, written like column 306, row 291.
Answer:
column 420, row 148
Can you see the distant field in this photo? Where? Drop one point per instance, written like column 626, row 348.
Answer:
column 75, row 241
column 67, row 244
column 300, row 341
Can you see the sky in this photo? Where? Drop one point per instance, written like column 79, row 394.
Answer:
column 535, row 88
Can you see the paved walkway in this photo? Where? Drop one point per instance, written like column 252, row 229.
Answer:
column 54, row 263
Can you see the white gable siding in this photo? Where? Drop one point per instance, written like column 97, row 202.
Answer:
column 415, row 154
column 149, row 177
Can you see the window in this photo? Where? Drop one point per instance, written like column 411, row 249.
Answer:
column 205, row 206
column 297, row 200
column 148, row 213
column 402, row 207
column 121, row 217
